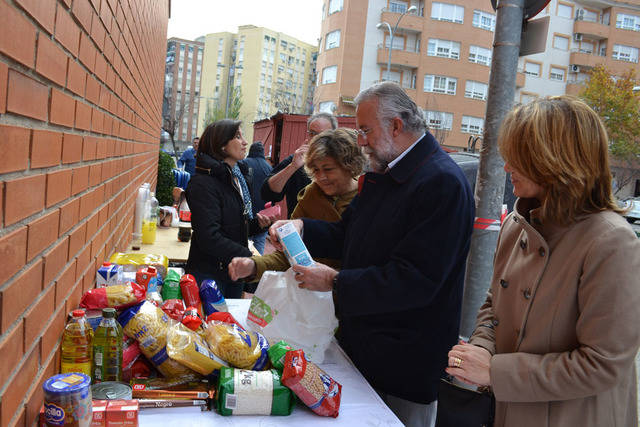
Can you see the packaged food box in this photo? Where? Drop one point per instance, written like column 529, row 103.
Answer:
column 99, row 413
column 108, row 275
column 294, row 247
column 122, row 413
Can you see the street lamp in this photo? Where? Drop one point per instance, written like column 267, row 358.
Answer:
column 392, row 32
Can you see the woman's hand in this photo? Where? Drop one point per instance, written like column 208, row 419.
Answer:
column 318, row 277
column 241, row 267
column 470, row 364
column 273, row 235
column 264, row 221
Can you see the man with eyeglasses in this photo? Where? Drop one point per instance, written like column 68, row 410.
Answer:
column 288, row 177
column 403, row 243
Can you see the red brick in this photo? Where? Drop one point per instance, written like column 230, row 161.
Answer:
column 58, row 187
column 13, row 253
column 83, row 116
column 67, row 32
column 14, row 146
column 77, row 239
column 67, row 3
column 87, row 52
column 101, row 67
column 26, row 96
column 64, row 284
column 89, row 147
column 4, row 76
column 98, row 32
column 97, row 121
column 71, row 148
column 36, row 395
column 83, row 261
column 23, row 197
column 42, row 11
column 82, row 11
column 12, row 23
column 12, row 349
column 80, row 179
column 109, row 50
column 76, row 78
column 93, row 90
column 36, row 318
column 69, row 215
column 46, row 148
column 20, row 294
column 86, row 205
column 95, row 173
column 55, row 259
column 63, row 109
column 52, row 333
column 42, row 233
column 51, row 61
column 92, row 225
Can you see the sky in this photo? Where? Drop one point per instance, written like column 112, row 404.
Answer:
column 297, row 18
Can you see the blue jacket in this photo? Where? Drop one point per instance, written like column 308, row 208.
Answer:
column 403, row 242
column 188, row 159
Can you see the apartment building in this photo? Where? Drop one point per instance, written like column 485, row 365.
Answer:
column 268, row 70
column 441, row 54
column 183, row 71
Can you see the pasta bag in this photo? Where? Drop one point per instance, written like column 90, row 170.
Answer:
column 149, row 325
column 242, row 349
column 117, row 296
column 187, row 347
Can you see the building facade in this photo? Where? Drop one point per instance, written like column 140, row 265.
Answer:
column 263, row 70
column 441, row 54
column 183, row 72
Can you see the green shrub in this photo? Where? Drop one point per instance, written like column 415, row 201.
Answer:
column 166, row 181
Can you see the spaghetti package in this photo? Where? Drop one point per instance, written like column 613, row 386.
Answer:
column 149, row 325
column 312, row 385
column 117, row 296
column 188, row 348
column 243, row 392
column 242, row 349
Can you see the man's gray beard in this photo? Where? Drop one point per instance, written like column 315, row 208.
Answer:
column 374, row 165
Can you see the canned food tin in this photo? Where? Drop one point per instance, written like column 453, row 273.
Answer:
column 67, row 400
column 111, row 390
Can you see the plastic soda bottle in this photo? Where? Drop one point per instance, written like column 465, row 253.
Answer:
column 77, row 351
column 150, row 221
column 107, row 348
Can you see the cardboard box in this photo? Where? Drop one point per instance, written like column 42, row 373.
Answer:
column 108, row 275
column 99, row 418
column 121, row 413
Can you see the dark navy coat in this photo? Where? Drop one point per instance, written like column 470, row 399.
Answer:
column 403, row 242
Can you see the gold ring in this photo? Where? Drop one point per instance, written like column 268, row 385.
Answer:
column 457, row 362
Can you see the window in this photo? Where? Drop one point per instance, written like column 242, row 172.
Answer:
column 438, row 119
column 628, row 22
column 560, row 42
column 484, row 20
column 472, row 125
column 329, row 74
column 440, row 84
column 532, row 69
column 447, row 12
column 398, row 6
column 327, row 107
column 476, row 90
column 625, row 53
column 557, row 73
column 332, row 40
column 398, row 42
column 479, row 55
column 335, row 6
column 565, row 11
column 443, row 48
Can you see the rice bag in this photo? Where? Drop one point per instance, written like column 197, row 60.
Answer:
column 243, row 392
column 277, row 352
column 116, row 296
column 312, row 385
column 188, row 348
column 149, row 325
column 242, row 349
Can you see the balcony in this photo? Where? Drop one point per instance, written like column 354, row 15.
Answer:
column 410, row 22
column 400, row 58
column 587, row 60
column 520, row 77
column 591, row 29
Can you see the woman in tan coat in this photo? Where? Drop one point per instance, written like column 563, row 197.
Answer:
column 334, row 161
column 557, row 336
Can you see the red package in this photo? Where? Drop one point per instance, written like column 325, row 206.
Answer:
column 224, row 317
column 174, row 308
column 270, row 210
column 122, row 413
column 117, row 296
column 130, row 352
column 190, row 292
column 140, row 369
column 192, row 319
column 296, row 369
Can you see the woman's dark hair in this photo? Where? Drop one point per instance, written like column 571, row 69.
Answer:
column 216, row 136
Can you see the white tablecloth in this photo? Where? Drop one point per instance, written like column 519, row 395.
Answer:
column 360, row 404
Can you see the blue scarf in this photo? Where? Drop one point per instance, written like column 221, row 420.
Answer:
column 246, row 196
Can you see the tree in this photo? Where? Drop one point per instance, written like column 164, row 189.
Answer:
column 615, row 101
column 215, row 111
column 437, row 122
column 172, row 117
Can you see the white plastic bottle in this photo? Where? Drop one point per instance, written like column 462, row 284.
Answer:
column 141, row 204
column 150, row 221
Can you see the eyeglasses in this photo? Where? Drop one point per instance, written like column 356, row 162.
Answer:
column 363, row 133
column 312, row 133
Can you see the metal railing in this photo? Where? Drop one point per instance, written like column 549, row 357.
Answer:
column 388, row 9
column 410, row 50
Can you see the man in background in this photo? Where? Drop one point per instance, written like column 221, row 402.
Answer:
column 288, row 176
column 259, row 170
column 188, row 158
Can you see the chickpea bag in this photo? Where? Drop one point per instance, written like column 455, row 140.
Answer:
column 116, row 296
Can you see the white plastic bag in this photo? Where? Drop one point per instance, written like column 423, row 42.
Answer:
column 280, row 310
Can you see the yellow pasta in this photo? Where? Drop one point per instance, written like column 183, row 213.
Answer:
column 242, row 349
column 188, row 348
column 119, row 295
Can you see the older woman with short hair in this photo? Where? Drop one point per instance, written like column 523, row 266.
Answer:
column 557, row 336
column 334, row 161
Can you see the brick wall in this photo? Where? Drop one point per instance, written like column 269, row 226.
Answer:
column 80, row 107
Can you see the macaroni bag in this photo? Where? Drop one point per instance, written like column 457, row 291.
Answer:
column 116, row 296
column 242, row 349
column 187, row 347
